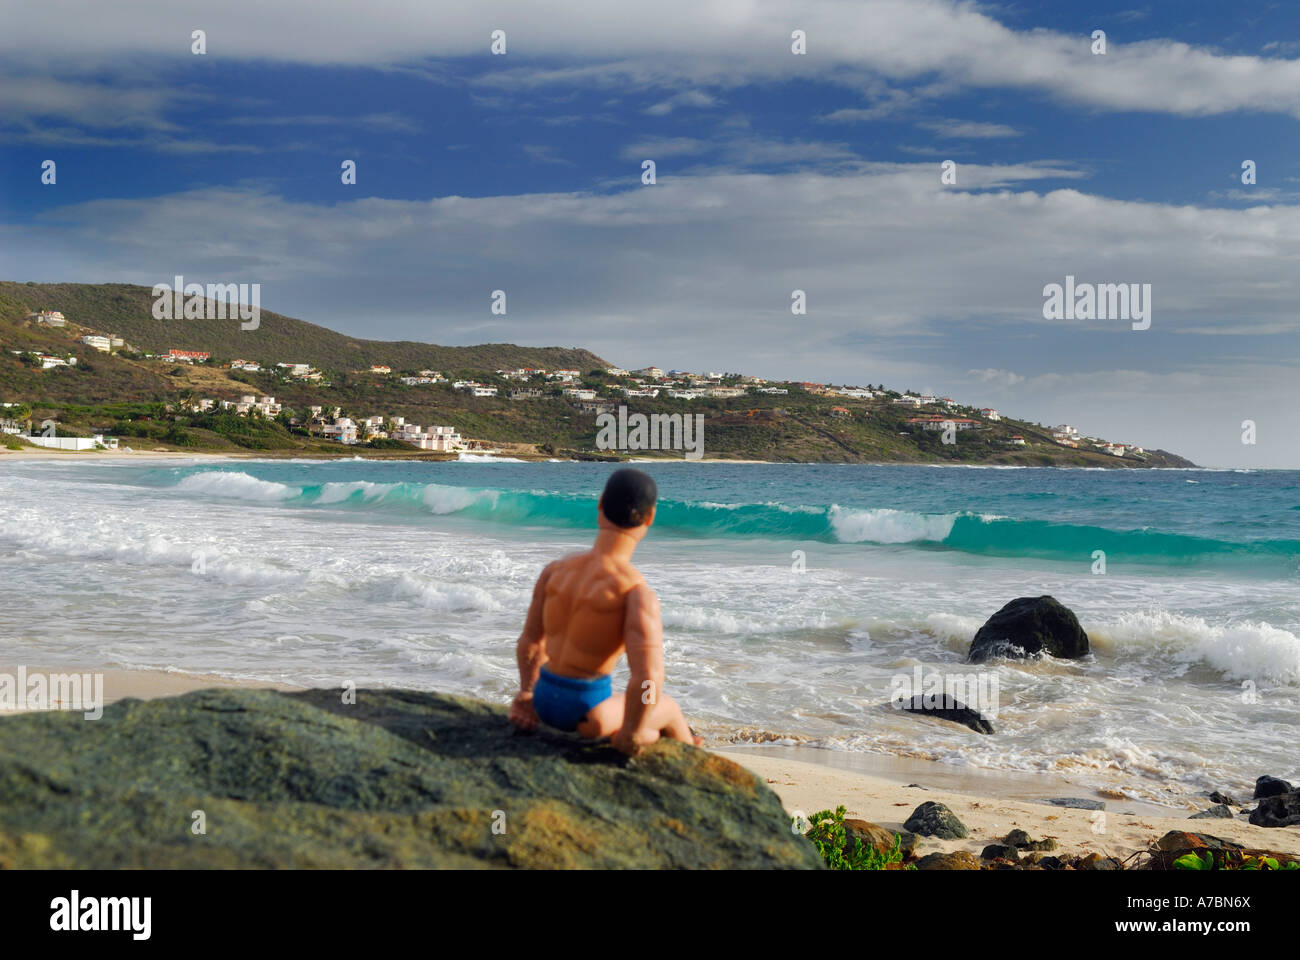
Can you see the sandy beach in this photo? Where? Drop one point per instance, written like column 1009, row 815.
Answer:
column 989, row 805
column 884, row 790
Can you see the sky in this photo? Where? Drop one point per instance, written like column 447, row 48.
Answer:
column 775, row 171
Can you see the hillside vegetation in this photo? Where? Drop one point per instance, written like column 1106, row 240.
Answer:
column 136, row 399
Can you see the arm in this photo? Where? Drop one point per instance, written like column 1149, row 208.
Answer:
column 530, row 654
column 643, row 635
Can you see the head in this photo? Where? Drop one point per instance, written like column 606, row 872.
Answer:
column 628, row 501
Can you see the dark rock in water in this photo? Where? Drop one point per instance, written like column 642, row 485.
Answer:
column 1217, row 797
column 1271, row 787
column 1000, row 851
column 1078, row 803
column 1217, row 812
column 957, row 860
column 400, row 779
column 918, row 786
column 873, row 835
column 1020, row 839
column 1281, row 810
column 1029, row 626
column 932, row 819
column 945, row 708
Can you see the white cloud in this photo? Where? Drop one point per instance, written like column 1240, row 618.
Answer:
column 970, row 129
column 670, row 44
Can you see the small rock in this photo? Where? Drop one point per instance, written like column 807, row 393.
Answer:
column 1000, row 851
column 1176, row 843
column 1217, row 812
column 1217, row 797
column 1018, row 838
column 1051, row 863
column 882, row 839
column 932, row 819
column 1076, row 802
column 957, row 860
column 945, row 707
column 1271, row 787
column 1095, row 861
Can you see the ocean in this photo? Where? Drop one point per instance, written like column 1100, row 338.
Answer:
column 794, row 596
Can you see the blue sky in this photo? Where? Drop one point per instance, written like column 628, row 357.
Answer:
column 775, row 172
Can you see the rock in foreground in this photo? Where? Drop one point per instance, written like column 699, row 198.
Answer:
column 1028, row 627
column 401, row 779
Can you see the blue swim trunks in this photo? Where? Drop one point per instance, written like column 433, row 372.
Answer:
column 563, row 702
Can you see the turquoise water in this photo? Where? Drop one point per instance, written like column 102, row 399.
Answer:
column 1233, row 520
column 793, row 596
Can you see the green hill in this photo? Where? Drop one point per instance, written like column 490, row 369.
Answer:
column 127, row 310
column 127, row 396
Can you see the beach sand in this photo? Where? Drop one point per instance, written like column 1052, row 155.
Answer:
column 884, row 790
column 988, row 803
column 120, row 684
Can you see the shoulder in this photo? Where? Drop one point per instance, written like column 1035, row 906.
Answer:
column 641, row 597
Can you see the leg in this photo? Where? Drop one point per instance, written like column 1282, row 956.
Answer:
column 606, row 718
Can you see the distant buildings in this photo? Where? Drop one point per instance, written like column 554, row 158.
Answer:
column 990, row 414
column 252, row 366
column 188, row 356
column 941, row 423
column 579, row 393
column 103, row 344
column 380, row 368
column 440, row 439
column 51, row 318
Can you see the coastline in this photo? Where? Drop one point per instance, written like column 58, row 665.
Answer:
column 882, row 789
column 141, row 456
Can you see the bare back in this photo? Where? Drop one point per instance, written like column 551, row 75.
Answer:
column 584, row 611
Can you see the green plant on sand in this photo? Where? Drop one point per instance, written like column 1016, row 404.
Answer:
column 827, row 833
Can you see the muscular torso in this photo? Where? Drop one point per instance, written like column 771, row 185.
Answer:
column 583, row 614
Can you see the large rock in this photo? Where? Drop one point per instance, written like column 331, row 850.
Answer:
column 1027, row 627
column 1279, row 810
column 400, row 779
column 1271, row 787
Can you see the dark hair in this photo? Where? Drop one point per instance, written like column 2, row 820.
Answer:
column 629, row 495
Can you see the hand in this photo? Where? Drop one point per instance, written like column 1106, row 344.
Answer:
column 631, row 742
column 522, row 712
